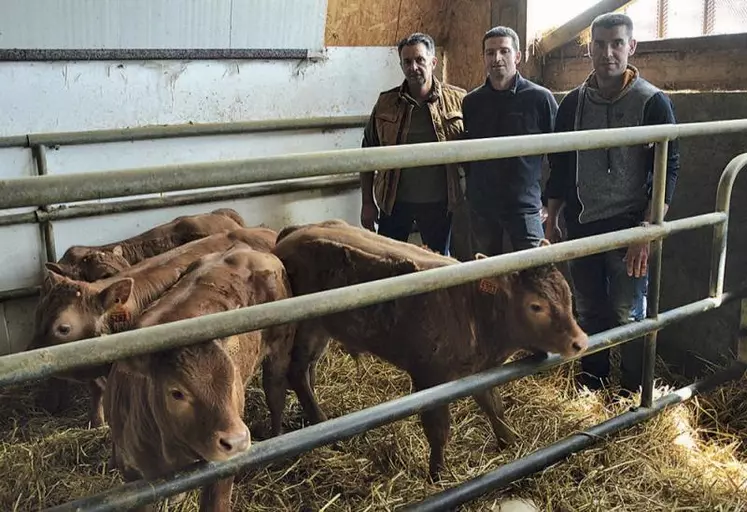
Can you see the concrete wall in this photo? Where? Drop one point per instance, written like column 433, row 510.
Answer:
column 710, row 338
column 74, row 96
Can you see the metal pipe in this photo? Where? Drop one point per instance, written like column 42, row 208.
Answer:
column 18, row 218
column 300, row 441
column 95, row 185
column 721, row 232
column 88, row 54
column 181, row 130
column 46, row 230
column 556, row 452
column 654, row 292
column 571, row 29
column 44, row 362
column 210, row 196
column 19, row 293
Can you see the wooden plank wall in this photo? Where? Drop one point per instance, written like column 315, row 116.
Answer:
column 700, row 63
column 456, row 25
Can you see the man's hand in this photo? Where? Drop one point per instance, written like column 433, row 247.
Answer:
column 369, row 214
column 552, row 231
column 543, row 215
column 637, row 259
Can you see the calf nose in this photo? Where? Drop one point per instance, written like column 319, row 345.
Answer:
column 580, row 344
column 231, row 443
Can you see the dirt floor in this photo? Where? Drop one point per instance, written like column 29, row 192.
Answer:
column 692, row 457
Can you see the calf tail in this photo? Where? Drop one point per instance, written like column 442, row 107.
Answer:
column 231, row 214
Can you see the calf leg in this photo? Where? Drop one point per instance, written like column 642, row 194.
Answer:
column 436, row 425
column 216, row 497
column 308, row 346
column 491, row 405
column 274, row 372
column 96, row 410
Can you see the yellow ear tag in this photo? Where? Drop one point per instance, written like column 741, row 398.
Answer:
column 119, row 315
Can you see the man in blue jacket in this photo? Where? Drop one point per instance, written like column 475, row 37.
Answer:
column 505, row 194
column 606, row 190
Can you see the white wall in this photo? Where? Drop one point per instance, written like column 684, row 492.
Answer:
column 170, row 24
column 72, row 96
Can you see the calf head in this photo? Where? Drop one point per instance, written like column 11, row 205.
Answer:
column 71, row 310
column 538, row 310
column 197, row 399
column 101, row 265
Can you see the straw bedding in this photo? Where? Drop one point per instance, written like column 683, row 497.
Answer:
column 692, row 457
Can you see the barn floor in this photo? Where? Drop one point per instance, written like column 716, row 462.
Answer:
column 690, row 458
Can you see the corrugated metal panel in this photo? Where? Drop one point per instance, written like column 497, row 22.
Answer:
column 278, row 23
column 81, row 24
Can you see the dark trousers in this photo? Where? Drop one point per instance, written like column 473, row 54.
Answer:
column 432, row 219
column 607, row 297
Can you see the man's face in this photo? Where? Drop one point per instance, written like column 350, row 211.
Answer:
column 500, row 58
column 417, row 65
column 610, row 49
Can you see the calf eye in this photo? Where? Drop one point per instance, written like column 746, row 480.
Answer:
column 64, row 329
column 535, row 307
column 177, row 395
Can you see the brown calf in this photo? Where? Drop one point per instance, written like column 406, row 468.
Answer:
column 71, row 310
column 87, row 263
column 436, row 337
column 169, row 409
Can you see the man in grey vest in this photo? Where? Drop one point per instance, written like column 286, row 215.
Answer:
column 607, row 190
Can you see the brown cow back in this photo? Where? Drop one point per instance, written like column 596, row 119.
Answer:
column 90, row 263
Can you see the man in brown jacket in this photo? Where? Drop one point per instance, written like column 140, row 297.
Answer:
column 422, row 109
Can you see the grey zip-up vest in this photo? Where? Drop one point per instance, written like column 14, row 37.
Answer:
column 612, row 181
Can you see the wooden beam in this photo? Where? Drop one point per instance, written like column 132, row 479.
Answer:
column 573, row 28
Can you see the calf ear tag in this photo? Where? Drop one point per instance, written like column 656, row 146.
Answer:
column 488, row 286
column 119, row 315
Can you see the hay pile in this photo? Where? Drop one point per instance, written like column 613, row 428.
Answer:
column 690, row 458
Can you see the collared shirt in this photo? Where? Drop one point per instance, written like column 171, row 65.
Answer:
column 507, row 185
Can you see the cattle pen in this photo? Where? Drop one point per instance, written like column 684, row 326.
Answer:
column 42, row 190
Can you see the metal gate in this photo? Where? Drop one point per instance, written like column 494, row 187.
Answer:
column 45, row 189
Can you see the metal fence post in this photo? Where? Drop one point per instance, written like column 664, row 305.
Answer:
column 45, row 224
column 657, row 207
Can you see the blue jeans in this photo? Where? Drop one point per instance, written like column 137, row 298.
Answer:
column 607, row 297
column 486, row 231
column 433, row 221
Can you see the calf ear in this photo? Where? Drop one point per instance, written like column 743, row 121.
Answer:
column 53, row 275
column 116, row 294
column 480, row 256
column 544, row 242
column 55, row 270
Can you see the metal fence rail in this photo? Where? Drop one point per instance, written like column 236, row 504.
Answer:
column 96, row 185
column 180, row 130
column 38, row 363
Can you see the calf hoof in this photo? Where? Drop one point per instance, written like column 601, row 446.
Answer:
column 96, row 421
column 506, row 440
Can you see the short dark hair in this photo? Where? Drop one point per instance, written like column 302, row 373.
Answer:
column 611, row 20
column 502, row 32
column 418, row 38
